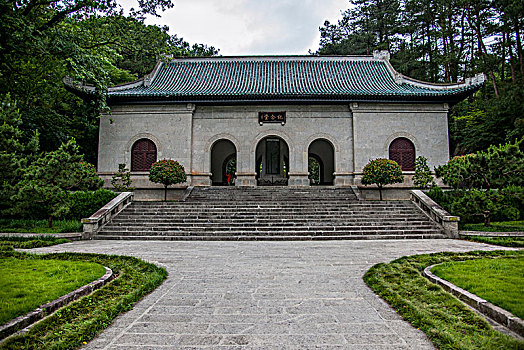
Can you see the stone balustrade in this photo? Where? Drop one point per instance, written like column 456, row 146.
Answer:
column 95, row 222
column 448, row 222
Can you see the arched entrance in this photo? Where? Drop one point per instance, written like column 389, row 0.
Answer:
column 223, row 163
column 321, row 162
column 272, row 162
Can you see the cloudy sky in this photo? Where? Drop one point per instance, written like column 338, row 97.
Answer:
column 250, row 27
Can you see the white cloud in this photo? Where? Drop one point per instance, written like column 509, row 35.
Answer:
column 250, row 27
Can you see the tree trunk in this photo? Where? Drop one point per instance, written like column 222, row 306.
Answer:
column 487, row 218
column 380, row 191
column 482, row 49
column 511, row 62
column 165, row 193
column 519, row 44
column 50, row 222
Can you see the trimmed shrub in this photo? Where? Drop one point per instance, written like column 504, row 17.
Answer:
column 423, row 177
column 382, row 172
column 86, row 203
column 167, row 172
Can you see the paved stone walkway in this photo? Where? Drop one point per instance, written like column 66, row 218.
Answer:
column 263, row 295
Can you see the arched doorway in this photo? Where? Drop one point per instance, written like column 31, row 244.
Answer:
column 321, row 155
column 272, row 162
column 223, row 163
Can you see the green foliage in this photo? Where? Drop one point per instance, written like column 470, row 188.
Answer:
column 27, row 284
column 121, row 180
column 502, row 241
column 382, row 172
column 314, row 170
column 447, row 41
column 9, row 243
column 167, row 172
column 488, row 184
column 90, row 41
column 499, row 166
column 83, row 319
column 485, row 203
column 446, row 321
column 423, row 177
column 83, row 204
column 45, row 183
column 15, row 153
column 476, row 204
column 39, row 226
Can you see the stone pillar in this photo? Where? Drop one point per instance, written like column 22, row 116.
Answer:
column 298, row 179
column 199, row 179
column 343, row 179
column 246, row 179
column 245, row 165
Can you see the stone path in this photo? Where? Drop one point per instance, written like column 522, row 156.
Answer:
column 264, row 295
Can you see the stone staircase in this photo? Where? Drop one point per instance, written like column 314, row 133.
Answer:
column 270, row 213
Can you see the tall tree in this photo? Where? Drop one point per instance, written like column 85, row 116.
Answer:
column 447, row 41
column 89, row 40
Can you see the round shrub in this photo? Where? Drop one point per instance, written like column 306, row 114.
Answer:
column 167, row 172
column 86, row 203
column 382, row 172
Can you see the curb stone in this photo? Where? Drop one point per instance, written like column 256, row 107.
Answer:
column 32, row 317
column 72, row 236
column 491, row 234
column 494, row 312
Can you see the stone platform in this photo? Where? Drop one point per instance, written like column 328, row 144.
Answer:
column 264, row 295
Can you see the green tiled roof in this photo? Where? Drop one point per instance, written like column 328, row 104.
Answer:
column 284, row 78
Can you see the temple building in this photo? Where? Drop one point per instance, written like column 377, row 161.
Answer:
column 270, row 120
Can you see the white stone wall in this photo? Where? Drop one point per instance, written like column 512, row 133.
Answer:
column 186, row 133
column 304, row 124
column 377, row 125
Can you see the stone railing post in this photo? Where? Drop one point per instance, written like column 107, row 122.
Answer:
column 94, row 223
column 449, row 223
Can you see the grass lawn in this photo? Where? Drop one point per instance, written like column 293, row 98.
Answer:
column 27, row 284
column 502, row 241
column 447, row 322
column 500, row 226
column 39, row 226
column 499, row 281
column 80, row 321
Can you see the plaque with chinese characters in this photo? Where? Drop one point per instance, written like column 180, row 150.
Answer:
column 271, row 117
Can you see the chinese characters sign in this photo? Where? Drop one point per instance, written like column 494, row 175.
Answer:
column 271, row 117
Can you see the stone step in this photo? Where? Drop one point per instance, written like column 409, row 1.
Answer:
column 251, row 221
column 270, row 238
column 212, row 227
column 272, row 233
column 249, row 204
column 244, row 217
column 271, row 213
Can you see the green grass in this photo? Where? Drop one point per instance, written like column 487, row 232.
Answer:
column 39, row 226
column 499, row 281
column 502, row 241
column 500, row 226
column 447, row 322
column 27, row 284
column 82, row 320
column 9, row 243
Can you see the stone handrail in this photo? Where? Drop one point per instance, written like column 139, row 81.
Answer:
column 448, row 222
column 95, row 222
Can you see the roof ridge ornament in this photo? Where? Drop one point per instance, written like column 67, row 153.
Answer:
column 399, row 78
column 381, row 55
